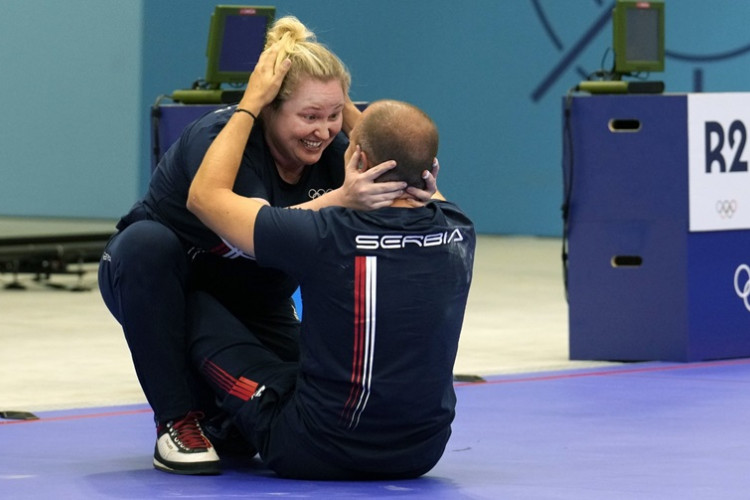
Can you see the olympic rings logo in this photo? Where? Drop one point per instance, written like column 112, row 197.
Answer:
column 317, row 193
column 726, row 208
column 744, row 292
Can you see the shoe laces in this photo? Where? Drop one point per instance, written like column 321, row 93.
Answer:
column 187, row 431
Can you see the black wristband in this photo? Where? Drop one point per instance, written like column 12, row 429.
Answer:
column 241, row 110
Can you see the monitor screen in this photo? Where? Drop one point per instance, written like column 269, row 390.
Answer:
column 638, row 36
column 642, row 40
column 236, row 38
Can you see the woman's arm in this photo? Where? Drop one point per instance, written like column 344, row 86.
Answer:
column 211, row 198
column 360, row 191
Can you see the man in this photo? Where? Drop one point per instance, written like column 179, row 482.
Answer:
column 384, row 297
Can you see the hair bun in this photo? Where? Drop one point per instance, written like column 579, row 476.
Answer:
column 310, row 59
column 291, row 31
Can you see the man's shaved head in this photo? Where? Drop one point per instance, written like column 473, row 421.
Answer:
column 395, row 130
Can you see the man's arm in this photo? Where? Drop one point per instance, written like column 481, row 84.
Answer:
column 211, row 198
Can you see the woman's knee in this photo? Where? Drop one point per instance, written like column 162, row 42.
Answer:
column 146, row 246
column 145, row 255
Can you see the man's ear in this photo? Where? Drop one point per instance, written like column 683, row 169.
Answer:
column 364, row 163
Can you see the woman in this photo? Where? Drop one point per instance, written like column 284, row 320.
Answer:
column 294, row 157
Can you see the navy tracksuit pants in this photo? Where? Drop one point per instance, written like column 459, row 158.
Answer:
column 145, row 276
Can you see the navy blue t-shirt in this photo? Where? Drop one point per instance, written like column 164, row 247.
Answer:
column 217, row 265
column 384, row 295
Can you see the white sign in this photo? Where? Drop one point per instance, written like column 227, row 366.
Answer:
column 718, row 156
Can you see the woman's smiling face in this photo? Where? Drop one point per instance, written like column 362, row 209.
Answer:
column 305, row 124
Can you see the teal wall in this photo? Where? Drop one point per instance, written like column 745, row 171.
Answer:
column 70, row 106
column 80, row 76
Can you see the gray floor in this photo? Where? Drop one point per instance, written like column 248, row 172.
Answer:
column 40, row 226
column 62, row 349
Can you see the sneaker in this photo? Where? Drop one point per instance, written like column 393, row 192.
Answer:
column 181, row 447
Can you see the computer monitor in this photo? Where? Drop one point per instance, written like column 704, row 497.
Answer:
column 638, row 36
column 236, row 38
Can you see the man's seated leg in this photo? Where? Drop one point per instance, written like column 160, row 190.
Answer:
column 250, row 381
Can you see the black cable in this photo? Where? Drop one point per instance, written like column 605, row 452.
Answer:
column 604, row 56
column 155, row 119
column 568, row 159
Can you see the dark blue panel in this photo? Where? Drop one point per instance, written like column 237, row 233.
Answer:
column 719, row 319
column 630, row 175
column 640, row 285
column 169, row 122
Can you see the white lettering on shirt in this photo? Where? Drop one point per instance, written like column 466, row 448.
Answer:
column 395, row 241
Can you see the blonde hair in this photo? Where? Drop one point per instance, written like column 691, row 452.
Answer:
column 309, row 58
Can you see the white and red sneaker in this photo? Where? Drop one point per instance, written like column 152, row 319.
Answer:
column 181, row 447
